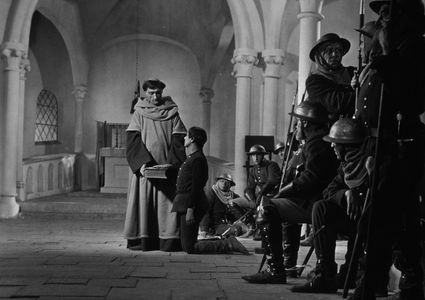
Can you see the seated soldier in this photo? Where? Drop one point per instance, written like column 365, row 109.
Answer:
column 294, row 202
column 263, row 180
column 341, row 207
column 222, row 212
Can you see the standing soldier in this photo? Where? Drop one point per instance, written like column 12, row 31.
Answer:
column 294, row 201
column 398, row 75
column 329, row 84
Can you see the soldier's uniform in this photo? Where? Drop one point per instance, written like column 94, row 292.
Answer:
column 296, row 198
column 331, row 88
column 395, row 220
column 263, row 179
column 330, row 214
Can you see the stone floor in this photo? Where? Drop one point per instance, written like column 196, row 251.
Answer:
column 66, row 256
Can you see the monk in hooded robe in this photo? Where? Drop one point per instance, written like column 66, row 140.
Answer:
column 154, row 137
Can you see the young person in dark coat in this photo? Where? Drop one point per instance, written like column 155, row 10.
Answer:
column 293, row 203
column 395, row 222
column 341, row 207
column 329, row 84
column 190, row 202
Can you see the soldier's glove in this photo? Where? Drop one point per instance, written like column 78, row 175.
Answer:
column 285, row 192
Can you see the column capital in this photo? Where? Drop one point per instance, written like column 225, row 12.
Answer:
column 274, row 60
column 244, row 60
column 24, row 67
column 206, row 95
column 80, row 92
column 12, row 53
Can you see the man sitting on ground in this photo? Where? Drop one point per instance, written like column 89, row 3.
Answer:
column 223, row 212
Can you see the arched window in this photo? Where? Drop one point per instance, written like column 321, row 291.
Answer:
column 46, row 122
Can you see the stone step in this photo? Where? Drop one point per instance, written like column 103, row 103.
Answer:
column 82, row 204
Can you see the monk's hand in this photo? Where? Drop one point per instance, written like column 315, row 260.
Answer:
column 190, row 217
column 354, row 208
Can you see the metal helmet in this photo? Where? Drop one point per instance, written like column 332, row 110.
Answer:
column 346, row 131
column 257, row 149
column 227, row 177
column 311, row 111
column 278, row 147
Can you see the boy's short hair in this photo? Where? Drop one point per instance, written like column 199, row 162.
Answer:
column 153, row 84
column 198, row 135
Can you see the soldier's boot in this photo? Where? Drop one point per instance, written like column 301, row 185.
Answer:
column 275, row 271
column 291, row 244
column 323, row 280
column 220, row 246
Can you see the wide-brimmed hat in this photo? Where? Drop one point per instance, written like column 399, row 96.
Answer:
column 330, row 38
column 376, row 5
column 227, row 177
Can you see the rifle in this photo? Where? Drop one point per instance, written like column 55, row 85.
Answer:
column 223, row 235
column 288, row 146
column 360, row 60
column 368, row 283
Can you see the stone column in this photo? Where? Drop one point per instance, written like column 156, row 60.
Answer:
column 244, row 60
column 79, row 92
column 12, row 53
column 273, row 59
column 20, row 180
column 206, row 95
column 309, row 32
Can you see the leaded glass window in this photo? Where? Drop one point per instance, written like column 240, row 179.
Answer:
column 46, row 122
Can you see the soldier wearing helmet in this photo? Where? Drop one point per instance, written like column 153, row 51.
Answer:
column 340, row 208
column 293, row 203
column 330, row 83
column 263, row 177
column 222, row 210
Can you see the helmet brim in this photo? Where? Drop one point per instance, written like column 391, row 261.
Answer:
column 313, row 120
column 232, row 183
column 329, row 139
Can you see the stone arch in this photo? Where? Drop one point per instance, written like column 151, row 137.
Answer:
column 50, row 177
column 40, row 183
column 65, row 17
column 247, row 24
column 29, row 181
